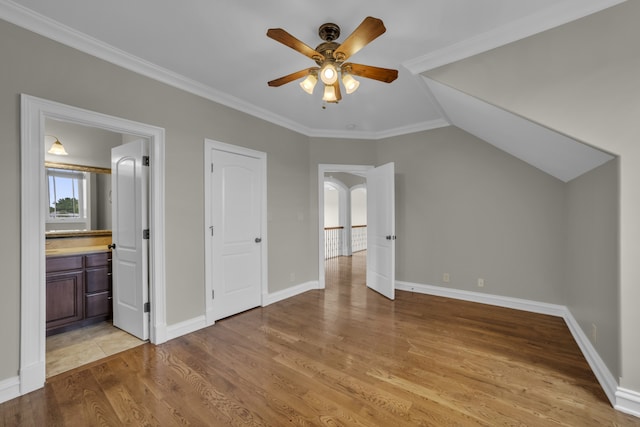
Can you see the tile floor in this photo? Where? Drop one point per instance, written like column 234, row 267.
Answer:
column 76, row 348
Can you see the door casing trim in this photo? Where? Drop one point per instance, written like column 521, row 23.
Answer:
column 34, row 111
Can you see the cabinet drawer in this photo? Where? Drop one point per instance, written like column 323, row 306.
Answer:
column 97, row 260
column 64, row 263
column 98, row 279
column 98, row 304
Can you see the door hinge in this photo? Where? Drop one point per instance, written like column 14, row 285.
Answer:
column 147, row 307
column 213, row 294
column 211, row 167
column 145, row 160
column 145, row 234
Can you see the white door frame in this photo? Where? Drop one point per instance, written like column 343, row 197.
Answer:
column 34, row 111
column 210, row 144
column 322, row 169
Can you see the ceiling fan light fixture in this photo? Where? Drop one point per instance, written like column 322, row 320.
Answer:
column 328, row 73
column 329, row 94
column 309, row 83
column 57, row 148
column 350, row 84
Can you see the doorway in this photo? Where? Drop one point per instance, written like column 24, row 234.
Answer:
column 79, row 224
column 380, row 270
column 33, row 203
column 345, row 222
column 324, row 171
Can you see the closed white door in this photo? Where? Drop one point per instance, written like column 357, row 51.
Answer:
column 235, row 233
column 129, row 186
column 381, row 230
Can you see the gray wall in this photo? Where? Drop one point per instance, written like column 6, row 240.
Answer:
column 36, row 66
column 592, row 285
column 465, row 208
column 579, row 79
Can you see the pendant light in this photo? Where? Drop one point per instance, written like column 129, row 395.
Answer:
column 57, row 148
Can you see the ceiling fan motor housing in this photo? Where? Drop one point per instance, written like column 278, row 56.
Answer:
column 329, row 32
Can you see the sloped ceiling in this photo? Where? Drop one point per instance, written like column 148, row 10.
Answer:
column 549, row 151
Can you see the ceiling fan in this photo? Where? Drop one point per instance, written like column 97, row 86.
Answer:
column 331, row 56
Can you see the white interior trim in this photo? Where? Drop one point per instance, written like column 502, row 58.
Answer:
column 284, row 294
column 26, row 18
column 9, row 389
column 628, row 401
column 210, row 144
column 34, row 111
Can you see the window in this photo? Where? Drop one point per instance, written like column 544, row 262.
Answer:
column 67, row 195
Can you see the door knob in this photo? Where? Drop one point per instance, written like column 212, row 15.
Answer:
column 258, row 240
column 112, row 246
column 388, row 237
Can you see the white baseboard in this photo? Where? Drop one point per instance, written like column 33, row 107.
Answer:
column 274, row 297
column 9, row 389
column 192, row 325
column 185, row 327
column 497, row 300
column 627, row 399
column 603, row 374
column 159, row 334
column 32, row 377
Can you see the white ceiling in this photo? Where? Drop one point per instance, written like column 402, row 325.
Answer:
column 219, row 49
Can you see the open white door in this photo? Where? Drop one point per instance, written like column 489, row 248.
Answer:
column 235, row 232
column 381, row 229
column 129, row 186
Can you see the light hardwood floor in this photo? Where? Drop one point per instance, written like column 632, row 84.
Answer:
column 345, row 356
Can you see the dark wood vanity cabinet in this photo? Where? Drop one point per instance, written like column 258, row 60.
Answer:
column 78, row 291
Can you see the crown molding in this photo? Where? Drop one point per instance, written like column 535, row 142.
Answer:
column 556, row 15
column 51, row 29
column 389, row 133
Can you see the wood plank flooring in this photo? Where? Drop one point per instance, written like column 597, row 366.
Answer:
column 345, row 356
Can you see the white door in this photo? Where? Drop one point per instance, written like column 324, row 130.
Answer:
column 381, row 230
column 129, row 204
column 235, row 232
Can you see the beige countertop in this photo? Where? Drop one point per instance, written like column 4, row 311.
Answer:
column 78, row 250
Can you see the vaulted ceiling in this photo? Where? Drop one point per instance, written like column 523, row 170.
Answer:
column 219, row 50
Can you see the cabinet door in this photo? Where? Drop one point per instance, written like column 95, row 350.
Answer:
column 64, row 298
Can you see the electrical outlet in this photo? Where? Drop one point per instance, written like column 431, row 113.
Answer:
column 445, row 277
column 481, row 283
column 594, row 333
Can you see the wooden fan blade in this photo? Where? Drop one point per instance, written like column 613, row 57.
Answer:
column 280, row 35
column 386, row 75
column 367, row 31
column 291, row 77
